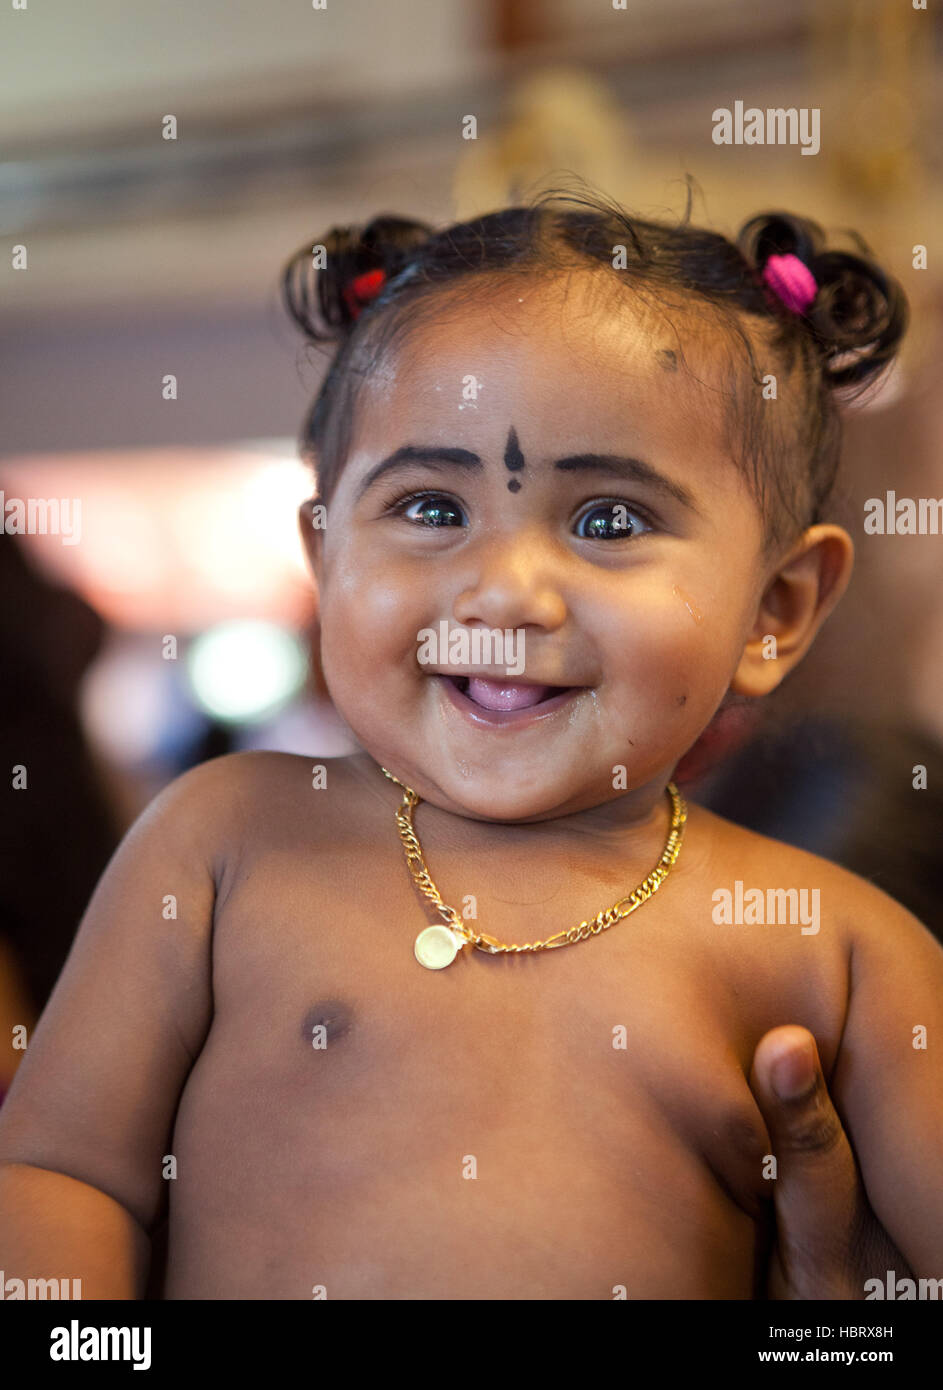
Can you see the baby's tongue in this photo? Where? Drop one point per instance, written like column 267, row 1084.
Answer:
column 504, row 694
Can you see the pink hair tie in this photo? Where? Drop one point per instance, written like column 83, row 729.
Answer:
column 791, row 281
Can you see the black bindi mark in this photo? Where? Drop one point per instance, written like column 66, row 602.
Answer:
column 668, row 359
column 326, row 1022
column 513, row 459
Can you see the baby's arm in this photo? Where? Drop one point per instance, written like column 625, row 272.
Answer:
column 91, row 1111
column 888, row 1077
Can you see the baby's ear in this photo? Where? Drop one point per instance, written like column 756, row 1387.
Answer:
column 312, row 515
column 807, row 583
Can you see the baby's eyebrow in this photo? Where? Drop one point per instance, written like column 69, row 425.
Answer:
column 615, row 465
column 636, row 470
column 415, row 453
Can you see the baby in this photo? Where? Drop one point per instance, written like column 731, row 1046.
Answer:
column 471, row 1014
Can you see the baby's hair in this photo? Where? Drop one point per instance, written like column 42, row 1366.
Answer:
column 842, row 342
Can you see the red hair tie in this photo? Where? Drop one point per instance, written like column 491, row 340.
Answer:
column 791, row 281
column 362, row 289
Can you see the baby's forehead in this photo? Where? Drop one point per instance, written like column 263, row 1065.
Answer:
column 579, row 361
column 574, row 324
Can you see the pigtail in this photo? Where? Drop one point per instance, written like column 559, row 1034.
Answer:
column 857, row 314
column 359, row 262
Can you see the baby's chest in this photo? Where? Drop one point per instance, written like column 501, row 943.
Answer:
column 605, row 1057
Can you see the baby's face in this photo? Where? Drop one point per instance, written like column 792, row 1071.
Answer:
column 587, row 510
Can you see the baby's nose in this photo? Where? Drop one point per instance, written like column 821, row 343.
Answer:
column 511, row 585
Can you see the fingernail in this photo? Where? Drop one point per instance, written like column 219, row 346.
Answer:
column 794, row 1073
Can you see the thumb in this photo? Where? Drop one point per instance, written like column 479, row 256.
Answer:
column 817, row 1191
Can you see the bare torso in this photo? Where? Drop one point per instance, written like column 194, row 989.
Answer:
column 474, row 1133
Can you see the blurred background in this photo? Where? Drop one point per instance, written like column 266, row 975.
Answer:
column 179, row 622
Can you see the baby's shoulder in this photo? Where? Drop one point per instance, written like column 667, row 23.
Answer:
column 258, row 795
column 267, row 819
column 849, row 903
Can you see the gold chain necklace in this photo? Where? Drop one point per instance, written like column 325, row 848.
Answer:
column 438, row 946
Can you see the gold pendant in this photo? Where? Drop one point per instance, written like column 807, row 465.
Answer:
column 437, row 947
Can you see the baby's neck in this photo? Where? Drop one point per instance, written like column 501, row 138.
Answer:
column 632, row 825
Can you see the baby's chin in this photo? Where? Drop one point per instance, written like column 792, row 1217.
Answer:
column 505, row 808
column 506, row 799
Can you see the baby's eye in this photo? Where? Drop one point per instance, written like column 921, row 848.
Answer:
column 610, row 521
column 431, row 509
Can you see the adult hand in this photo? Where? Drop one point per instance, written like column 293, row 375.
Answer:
column 828, row 1240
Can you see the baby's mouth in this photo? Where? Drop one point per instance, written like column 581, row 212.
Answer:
column 504, row 694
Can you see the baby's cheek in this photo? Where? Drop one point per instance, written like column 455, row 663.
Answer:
column 358, row 608
column 674, row 653
column 369, row 633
